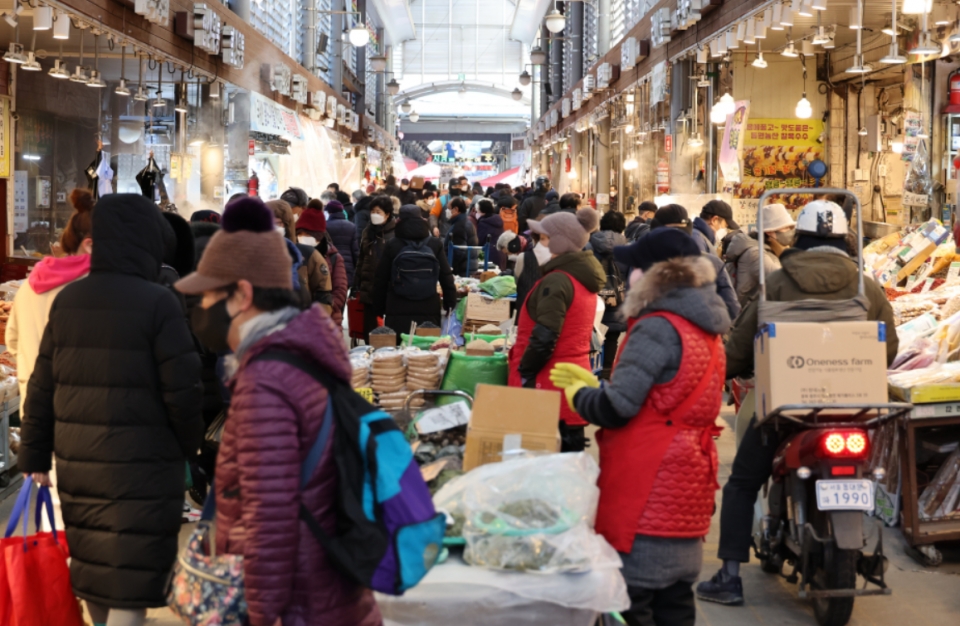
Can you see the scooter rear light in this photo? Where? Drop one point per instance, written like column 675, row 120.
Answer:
column 843, row 470
column 844, row 444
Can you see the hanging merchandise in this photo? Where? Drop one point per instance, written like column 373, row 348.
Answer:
column 99, row 174
column 912, row 129
column 150, row 179
column 918, row 184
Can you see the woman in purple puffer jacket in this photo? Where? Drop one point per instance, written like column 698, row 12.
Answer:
column 276, row 412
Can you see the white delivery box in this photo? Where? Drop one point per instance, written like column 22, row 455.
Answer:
column 820, row 363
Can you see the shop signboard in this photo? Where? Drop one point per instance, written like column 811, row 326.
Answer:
column 732, row 143
column 5, row 135
column 268, row 117
column 20, row 221
column 232, row 47
column 206, row 28
column 775, row 156
column 658, row 83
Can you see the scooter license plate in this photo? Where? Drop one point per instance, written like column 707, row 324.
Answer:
column 845, row 495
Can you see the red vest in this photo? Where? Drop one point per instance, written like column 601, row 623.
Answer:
column 658, row 473
column 573, row 345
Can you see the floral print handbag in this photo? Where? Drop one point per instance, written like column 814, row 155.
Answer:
column 205, row 589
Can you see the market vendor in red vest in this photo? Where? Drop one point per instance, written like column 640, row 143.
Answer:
column 555, row 324
column 658, row 462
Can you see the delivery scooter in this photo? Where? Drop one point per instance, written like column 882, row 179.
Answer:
column 822, row 484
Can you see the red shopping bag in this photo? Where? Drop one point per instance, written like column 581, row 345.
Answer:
column 35, row 585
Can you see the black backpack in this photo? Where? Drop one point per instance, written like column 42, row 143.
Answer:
column 614, row 292
column 416, row 271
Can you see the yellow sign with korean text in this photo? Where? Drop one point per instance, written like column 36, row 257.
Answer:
column 783, row 132
column 6, row 135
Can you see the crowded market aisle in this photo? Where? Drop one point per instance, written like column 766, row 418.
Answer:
column 921, row 595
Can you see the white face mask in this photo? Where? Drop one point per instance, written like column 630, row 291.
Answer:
column 307, row 240
column 296, row 216
column 635, row 276
column 542, row 253
column 448, row 214
column 722, row 233
column 377, row 219
column 281, row 230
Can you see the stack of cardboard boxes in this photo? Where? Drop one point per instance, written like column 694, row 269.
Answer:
column 897, row 258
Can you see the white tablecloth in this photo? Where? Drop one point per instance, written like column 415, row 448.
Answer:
column 460, row 595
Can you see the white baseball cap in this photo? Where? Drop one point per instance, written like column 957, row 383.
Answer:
column 775, row 217
column 822, row 218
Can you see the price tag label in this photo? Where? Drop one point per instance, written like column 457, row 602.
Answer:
column 366, row 393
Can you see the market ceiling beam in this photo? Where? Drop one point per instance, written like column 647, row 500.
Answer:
column 428, row 89
column 397, row 20
column 527, row 18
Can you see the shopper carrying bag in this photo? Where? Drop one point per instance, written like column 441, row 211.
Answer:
column 34, row 578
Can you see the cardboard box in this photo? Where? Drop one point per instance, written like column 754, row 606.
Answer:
column 927, row 394
column 510, row 418
column 483, row 308
column 383, row 340
column 828, row 363
column 416, row 183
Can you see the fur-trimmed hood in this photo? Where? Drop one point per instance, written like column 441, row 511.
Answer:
column 683, row 286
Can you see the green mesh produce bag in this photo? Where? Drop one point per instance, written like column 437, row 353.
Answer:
column 464, row 373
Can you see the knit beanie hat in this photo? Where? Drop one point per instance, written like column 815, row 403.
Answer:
column 565, row 230
column 246, row 248
column 334, row 206
column 661, row 244
column 295, row 197
column 205, row 215
column 589, row 218
column 312, row 219
column 282, row 211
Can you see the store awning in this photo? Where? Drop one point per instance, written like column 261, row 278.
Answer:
column 511, row 177
column 410, row 164
column 430, row 171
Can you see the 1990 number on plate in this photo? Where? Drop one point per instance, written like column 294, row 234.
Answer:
column 845, row 495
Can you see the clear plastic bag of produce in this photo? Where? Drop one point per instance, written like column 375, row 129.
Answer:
column 531, row 514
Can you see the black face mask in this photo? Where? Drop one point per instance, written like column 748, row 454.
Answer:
column 212, row 325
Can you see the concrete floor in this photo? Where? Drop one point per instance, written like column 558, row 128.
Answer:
column 921, row 596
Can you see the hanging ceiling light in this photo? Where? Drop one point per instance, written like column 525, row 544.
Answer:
column 43, row 18
column 806, row 48
column 804, row 110
column 406, row 107
column 786, row 16
column 862, row 132
column 378, row 63
column 727, row 104
column 630, row 164
column 776, row 23
column 538, row 56
column 790, row 51
column 58, row 70
column 141, row 95
column 61, row 26
column 214, row 90
column 160, row 102
column 79, row 73
column 695, row 141
column 122, row 89
column 759, row 62
column 818, row 5
column 359, row 35
column 821, row 37
column 749, row 35
column 182, row 105
column 393, row 87
column 731, row 39
column 555, row 21
column 855, row 22
column 517, row 94
column 804, row 8
column 414, row 117
column 11, row 18
column 859, row 67
column 894, row 57
column 717, row 116
column 96, row 80
column 525, row 78
column 925, row 45
column 31, row 64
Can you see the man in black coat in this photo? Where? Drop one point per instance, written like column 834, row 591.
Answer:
column 116, row 395
column 398, row 310
column 461, row 233
column 531, row 207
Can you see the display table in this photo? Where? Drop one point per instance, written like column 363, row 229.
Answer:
column 455, row 593
column 918, row 532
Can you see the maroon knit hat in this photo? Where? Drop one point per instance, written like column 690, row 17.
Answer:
column 312, row 219
column 247, row 247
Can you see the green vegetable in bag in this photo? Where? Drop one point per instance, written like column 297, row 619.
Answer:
column 464, row 373
column 500, row 286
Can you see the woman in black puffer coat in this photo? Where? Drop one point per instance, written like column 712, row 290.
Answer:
column 116, row 395
column 372, row 244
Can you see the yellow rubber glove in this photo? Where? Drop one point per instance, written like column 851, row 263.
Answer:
column 572, row 378
column 570, row 393
column 564, row 375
